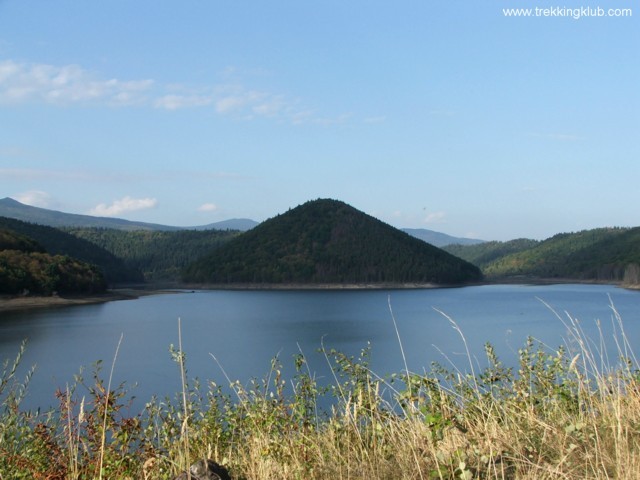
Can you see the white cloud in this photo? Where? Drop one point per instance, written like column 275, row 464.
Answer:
column 35, row 198
column 73, row 85
column 175, row 102
column 272, row 106
column 301, row 117
column 208, row 207
column 124, row 205
column 236, row 99
column 250, row 104
column 68, row 84
column 435, row 217
column 229, row 104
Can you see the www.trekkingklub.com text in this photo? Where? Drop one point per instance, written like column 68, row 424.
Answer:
column 575, row 13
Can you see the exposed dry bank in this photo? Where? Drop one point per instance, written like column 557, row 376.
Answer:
column 9, row 303
column 562, row 414
column 28, row 302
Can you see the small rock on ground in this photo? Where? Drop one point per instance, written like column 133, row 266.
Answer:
column 205, row 470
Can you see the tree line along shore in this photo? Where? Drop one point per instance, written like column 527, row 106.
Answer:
column 320, row 244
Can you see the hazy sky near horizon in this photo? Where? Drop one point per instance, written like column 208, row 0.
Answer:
column 446, row 114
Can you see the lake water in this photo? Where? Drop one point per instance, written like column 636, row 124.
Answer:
column 244, row 330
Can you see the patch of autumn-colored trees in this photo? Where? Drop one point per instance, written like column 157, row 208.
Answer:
column 26, row 267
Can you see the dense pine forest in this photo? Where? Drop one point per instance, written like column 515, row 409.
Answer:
column 159, row 255
column 327, row 241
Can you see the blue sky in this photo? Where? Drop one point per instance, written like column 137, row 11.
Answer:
column 446, row 115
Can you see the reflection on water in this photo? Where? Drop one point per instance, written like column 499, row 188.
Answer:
column 244, row 330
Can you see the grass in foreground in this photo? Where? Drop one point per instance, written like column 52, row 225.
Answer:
column 563, row 414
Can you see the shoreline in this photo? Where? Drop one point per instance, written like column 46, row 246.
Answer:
column 315, row 286
column 28, row 302
column 10, row 303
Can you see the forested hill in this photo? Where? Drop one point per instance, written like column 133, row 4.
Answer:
column 159, row 255
column 484, row 254
column 602, row 254
column 57, row 242
column 328, row 241
column 26, row 267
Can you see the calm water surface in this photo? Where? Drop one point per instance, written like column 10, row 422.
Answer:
column 244, row 330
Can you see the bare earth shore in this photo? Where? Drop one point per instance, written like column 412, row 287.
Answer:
column 27, row 302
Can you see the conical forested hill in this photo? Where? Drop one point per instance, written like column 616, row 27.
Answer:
column 328, row 241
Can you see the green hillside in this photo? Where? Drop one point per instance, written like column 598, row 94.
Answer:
column 159, row 255
column 483, row 254
column 57, row 242
column 327, row 241
column 603, row 254
column 25, row 267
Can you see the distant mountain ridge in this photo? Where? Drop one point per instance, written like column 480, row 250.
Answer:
column 439, row 239
column 241, row 224
column 11, row 208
